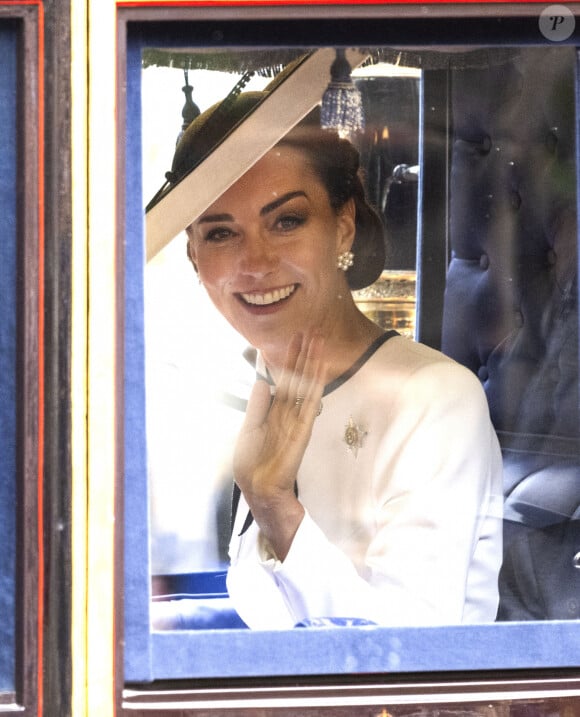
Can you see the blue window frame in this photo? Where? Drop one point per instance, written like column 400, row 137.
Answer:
column 180, row 654
column 8, row 348
column 20, row 414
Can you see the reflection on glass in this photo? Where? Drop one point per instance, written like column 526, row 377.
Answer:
column 190, row 518
column 510, row 300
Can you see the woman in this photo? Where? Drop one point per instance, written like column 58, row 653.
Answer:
column 369, row 472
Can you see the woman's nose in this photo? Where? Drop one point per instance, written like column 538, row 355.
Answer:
column 258, row 256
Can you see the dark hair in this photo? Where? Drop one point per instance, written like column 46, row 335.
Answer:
column 335, row 161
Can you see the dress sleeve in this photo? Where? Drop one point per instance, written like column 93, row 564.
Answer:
column 436, row 548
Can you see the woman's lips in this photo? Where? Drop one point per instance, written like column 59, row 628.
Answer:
column 267, row 298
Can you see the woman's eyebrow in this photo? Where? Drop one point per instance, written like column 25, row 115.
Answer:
column 281, row 200
column 209, row 218
column 216, row 218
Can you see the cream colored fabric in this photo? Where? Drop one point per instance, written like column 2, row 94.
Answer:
column 404, row 530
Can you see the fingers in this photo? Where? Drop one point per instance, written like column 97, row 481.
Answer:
column 302, row 382
column 276, row 432
column 258, row 405
column 309, row 385
column 285, row 388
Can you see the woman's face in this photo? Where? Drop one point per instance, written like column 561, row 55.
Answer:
column 266, row 251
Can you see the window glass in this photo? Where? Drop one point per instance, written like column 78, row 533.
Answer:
column 197, row 378
column 469, row 156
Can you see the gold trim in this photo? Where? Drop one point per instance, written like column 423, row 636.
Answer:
column 390, row 301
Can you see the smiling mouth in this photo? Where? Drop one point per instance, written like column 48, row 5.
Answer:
column 269, row 297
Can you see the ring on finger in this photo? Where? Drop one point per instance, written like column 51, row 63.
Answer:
column 299, row 400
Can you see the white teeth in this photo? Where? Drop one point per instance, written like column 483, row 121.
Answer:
column 270, row 297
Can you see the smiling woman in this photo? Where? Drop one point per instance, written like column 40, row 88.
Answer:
column 287, row 248
column 345, row 486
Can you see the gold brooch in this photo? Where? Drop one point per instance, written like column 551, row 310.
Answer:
column 354, row 436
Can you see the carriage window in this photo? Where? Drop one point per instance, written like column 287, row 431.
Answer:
column 468, row 157
column 197, row 377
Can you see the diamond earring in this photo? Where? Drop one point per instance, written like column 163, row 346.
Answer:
column 345, row 260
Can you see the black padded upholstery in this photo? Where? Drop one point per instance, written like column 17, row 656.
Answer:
column 511, row 306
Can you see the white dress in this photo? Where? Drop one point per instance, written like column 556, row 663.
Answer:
column 402, row 488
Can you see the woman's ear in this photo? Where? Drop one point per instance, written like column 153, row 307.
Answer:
column 346, row 226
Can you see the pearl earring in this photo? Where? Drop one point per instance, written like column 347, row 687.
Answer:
column 345, row 260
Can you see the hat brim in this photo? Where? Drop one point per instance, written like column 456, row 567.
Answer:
column 281, row 109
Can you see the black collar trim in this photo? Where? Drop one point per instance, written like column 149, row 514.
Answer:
column 343, row 378
column 360, row 362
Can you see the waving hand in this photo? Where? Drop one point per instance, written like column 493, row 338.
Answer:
column 273, row 439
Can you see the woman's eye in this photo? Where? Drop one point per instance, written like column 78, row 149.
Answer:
column 288, row 222
column 217, row 234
